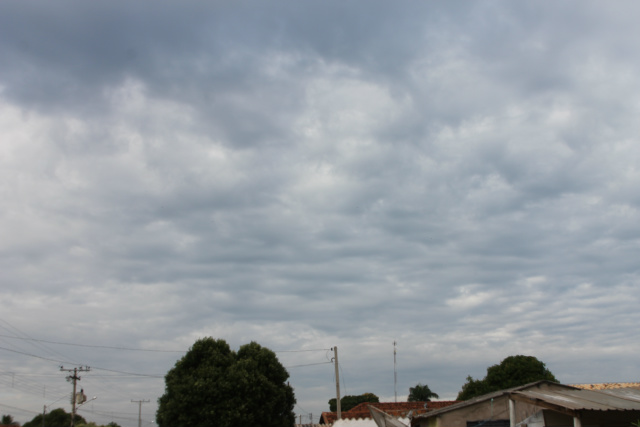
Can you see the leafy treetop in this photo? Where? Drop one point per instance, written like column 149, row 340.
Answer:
column 7, row 420
column 92, row 424
column 349, row 401
column 511, row 372
column 421, row 393
column 56, row 418
column 214, row 386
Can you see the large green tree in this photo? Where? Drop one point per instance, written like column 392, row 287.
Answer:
column 213, row 386
column 7, row 420
column 349, row 401
column 421, row 393
column 511, row 372
column 56, row 418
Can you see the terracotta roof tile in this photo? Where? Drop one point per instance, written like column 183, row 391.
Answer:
column 606, row 386
column 396, row 409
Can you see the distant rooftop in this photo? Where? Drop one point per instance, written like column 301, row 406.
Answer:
column 606, row 386
column 395, row 409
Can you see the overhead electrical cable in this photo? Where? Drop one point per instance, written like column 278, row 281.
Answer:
column 110, row 415
column 128, row 373
column 39, row 357
column 10, row 383
column 136, row 349
column 308, row 364
column 342, row 377
column 93, row 346
column 93, row 367
column 41, row 350
column 20, row 374
column 19, row 409
column 25, row 337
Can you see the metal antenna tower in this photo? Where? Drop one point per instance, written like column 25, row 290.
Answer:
column 395, row 374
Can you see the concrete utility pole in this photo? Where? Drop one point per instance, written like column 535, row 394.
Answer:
column 139, row 402
column 74, row 378
column 338, row 408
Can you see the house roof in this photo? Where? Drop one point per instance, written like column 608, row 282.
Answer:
column 559, row 397
column 606, row 386
column 490, row 396
column 359, row 423
column 574, row 400
column 396, row 409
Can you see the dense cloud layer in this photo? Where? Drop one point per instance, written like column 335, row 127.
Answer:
column 460, row 178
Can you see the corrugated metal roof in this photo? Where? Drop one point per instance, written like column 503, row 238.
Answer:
column 557, row 397
column 586, row 400
column 489, row 396
column 632, row 393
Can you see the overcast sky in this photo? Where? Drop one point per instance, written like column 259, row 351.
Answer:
column 459, row 177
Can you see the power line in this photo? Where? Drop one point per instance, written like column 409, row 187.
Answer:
column 28, row 388
column 95, row 346
column 26, row 337
column 132, row 348
column 94, row 367
column 123, row 376
column 133, row 373
column 309, row 364
column 110, row 415
column 18, row 374
column 33, row 355
column 17, row 381
column 135, row 349
column 128, row 373
column 15, row 408
column 302, row 409
column 11, row 340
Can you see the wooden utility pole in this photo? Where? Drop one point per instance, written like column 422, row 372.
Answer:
column 338, row 408
column 73, row 379
column 139, row 402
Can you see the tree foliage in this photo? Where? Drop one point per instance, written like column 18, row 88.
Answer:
column 213, row 386
column 421, row 393
column 349, row 401
column 56, row 418
column 7, row 420
column 511, row 372
column 93, row 424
